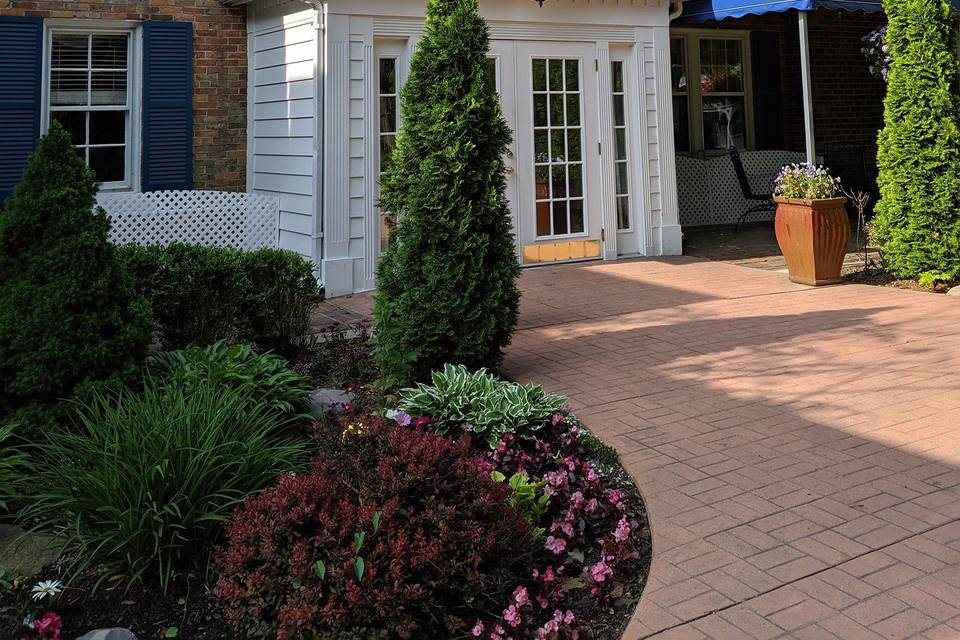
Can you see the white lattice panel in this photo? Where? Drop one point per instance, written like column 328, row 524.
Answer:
column 219, row 218
column 710, row 194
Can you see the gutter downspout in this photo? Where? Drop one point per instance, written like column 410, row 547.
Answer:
column 319, row 77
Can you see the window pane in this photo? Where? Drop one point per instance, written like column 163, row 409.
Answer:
column 678, row 64
column 540, row 145
column 387, row 222
column 556, row 109
column 540, row 111
column 69, row 51
column 573, row 75
column 723, row 123
column 620, row 139
column 108, row 163
column 576, row 180
column 109, row 51
column 75, row 122
column 388, row 75
column 681, row 124
column 623, row 212
column 576, row 216
column 543, row 218
column 109, row 87
column 721, row 67
column 559, row 176
column 573, row 144
column 573, row 110
column 618, row 115
column 617, row 77
column 557, row 151
column 620, row 178
column 68, row 88
column 539, row 75
column 491, row 74
column 108, row 127
column 560, row 218
column 542, row 185
column 556, row 75
column 387, row 145
column 388, row 114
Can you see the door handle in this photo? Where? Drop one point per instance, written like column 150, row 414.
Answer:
column 509, row 170
column 510, row 153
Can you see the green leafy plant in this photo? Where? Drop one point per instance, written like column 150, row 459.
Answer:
column 13, row 464
column 261, row 378
column 145, row 481
column 480, row 402
column 528, row 496
column 69, row 315
column 447, row 288
column 917, row 223
column 203, row 294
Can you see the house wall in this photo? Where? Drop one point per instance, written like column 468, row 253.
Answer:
column 283, row 119
column 847, row 100
column 220, row 76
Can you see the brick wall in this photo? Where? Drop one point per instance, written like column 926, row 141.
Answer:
column 220, row 73
column 847, row 100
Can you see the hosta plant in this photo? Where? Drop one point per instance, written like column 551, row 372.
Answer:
column 262, row 378
column 480, row 403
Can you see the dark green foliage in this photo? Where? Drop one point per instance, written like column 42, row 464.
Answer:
column 143, row 482
column 260, row 378
column 204, row 294
column 918, row 215
column 447, row 285
column 13, row 467
column 69, row 315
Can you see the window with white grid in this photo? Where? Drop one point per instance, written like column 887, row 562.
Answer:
column 558, row 153
column 389, row 106
column 89, row 88
column 620, row 162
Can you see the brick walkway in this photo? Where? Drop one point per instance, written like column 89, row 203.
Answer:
column 798, row 449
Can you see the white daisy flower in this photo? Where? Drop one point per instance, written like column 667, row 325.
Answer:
column 46, row 588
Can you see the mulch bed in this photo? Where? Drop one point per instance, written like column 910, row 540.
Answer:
column 878, row 277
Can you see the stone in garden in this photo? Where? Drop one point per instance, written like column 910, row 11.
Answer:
column 323, row 401
column 109, row 634
column 25, row 553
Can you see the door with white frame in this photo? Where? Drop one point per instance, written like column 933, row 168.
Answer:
column 557, row 162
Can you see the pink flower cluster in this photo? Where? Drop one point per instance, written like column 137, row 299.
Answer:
column 46, row 627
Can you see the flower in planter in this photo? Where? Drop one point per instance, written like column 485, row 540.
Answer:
column 45, row 589
column 806, row 182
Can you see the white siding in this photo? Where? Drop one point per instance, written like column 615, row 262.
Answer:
column 282, row 158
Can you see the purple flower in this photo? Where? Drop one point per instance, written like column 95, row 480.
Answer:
column 402, row 418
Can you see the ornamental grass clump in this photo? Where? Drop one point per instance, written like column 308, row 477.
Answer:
column 806, row 182
column 70, row 319
column 447, row 289
column 917, row 223
column 141, row 486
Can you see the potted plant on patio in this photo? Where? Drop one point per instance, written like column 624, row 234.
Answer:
column 811, row 224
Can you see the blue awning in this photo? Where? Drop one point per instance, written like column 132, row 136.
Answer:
column 695, row 11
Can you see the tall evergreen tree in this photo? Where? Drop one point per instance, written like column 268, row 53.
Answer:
column 69, row 316
column 918, row 215
column 447, row 284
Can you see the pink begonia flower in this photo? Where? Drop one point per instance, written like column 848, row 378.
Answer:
column 623, row 530
column 600, row 571
column 592, row 505
column 556, row 545
column 420, row 422
column 511, row 616
column 555, row 478
column 48, row 626
column 576, row 499
column 477, row 629
column 592, row 475
column 557, row 419
column 615, row 496
column 521, row 596
column 568, row 617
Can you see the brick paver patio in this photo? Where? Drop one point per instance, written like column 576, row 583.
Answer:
column 798, row 449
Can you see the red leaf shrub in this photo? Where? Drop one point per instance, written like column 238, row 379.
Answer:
column 439, row 546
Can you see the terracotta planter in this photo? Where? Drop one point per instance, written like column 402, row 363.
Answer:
column 813, row 236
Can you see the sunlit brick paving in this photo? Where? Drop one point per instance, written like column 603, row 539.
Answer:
column 798, row 449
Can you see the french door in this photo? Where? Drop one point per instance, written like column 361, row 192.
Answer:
column 548, row 91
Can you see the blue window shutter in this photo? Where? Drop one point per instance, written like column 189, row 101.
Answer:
column 167, row 105
column 21, row 61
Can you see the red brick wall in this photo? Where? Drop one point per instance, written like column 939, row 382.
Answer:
column 847, row 100
column 220, row 73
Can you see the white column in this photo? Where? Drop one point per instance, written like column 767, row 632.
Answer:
column 807, row 88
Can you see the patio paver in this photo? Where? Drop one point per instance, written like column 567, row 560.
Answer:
column 798, row 448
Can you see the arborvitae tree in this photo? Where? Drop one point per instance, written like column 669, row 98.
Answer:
column 447, row 284
column 918, row 215
column 69, row 317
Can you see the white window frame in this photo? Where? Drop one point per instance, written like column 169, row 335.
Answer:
column 618, row 57
column 134, row 93
column 396, row 50
column 692, row 38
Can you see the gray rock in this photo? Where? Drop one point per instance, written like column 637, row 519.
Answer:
column 26, row 553
column 109, row 634
column 323, row 401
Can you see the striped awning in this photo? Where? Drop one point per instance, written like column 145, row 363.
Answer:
column 695, row 11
